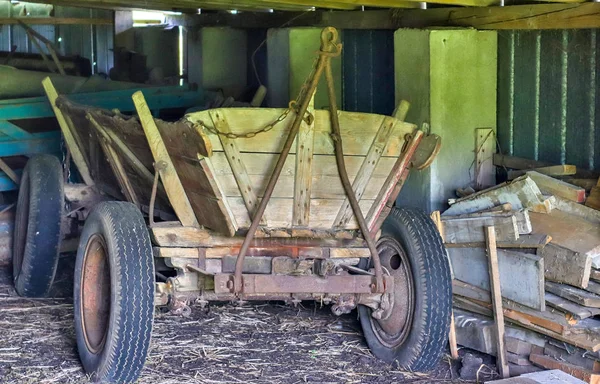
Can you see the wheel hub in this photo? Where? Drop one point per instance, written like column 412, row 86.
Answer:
column 394, row 326
column 95, row 293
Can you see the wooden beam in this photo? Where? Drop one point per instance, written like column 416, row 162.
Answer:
column 177, row 196
column 54, row 21
column 70, row 139
column 533, row 16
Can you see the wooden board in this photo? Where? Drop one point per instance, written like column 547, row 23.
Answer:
column 579, row 210
column 566, row 266
column 552, row 186
column 593, row 200
column 466, row 230
column 520, row 193
column 576, row 295
column 521, row 274
column 568, row 231
column 553, row 170
column 568, row 306
column 514, row 162
column 571, row 369
column 523, row 242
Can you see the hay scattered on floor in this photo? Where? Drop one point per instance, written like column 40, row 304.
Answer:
column 262, row 343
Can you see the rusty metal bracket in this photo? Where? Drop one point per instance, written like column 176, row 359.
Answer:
column 329, row 49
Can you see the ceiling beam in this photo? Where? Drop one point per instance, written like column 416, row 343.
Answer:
column 536, row 16
column 54, row 21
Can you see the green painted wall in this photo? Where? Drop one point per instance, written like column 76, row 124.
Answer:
column 450, row 78
column 291, row 56
column 217, row 59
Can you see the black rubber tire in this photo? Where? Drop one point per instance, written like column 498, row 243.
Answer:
column 422, row 348
column 37, row 233
column 122, row 355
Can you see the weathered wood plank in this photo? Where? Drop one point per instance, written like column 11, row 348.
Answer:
column 76, row 151
column 558, row 188
column 304, row 165
column 521, row 274
column 566, row 266
column 496, row 293
column 467, row 230
column 520, row 193
column 572, row 208
column 521, row 216
column 579, row 311
column 171, row 181
column 366, row 170
column 576, row 295
column 167, row 235
column 523, row 242
column 553, row 170
column 119, row 171
column 568, row 231
column 232, row 153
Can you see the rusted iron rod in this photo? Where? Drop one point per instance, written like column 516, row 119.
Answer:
column 328, row 44
column 341, row 165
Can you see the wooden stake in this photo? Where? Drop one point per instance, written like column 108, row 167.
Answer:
column 501, row 361
column 76, row 152
column 175, row 191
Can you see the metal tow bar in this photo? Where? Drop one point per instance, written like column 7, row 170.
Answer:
column 329, row 48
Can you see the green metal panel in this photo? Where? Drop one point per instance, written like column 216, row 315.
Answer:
column 548, row 96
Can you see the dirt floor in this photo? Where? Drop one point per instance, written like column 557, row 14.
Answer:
column 262, row 343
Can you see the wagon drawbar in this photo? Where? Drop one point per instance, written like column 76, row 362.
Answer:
column 239, row 204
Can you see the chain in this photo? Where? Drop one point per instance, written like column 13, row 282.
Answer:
column 292, row 106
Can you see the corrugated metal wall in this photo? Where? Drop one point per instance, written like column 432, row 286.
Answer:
column 548, row 94
column 368, row 71
column 92, row 42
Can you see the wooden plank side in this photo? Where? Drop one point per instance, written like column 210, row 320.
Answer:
column 367, row 168
column 76, row 151
column 566, row 266
column 568, row 231
column 357, row 134
column 578, row 311
column 521, row 274
column 304, row 166
column 472, row 229
column 557, row 187
column 237, row 166
column 171, row 181
column 119, row 171
column 554, row 170
column 576, row 295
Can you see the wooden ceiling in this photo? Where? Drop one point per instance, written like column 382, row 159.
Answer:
column 192, row 6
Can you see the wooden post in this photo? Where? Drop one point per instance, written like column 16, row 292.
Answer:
column 304, row 167
column 177, row 196
column 501, row 362
column 69, row 136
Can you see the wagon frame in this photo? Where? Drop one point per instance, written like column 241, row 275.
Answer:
column 305, row 236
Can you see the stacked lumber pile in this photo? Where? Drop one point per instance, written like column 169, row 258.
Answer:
column 548, row 262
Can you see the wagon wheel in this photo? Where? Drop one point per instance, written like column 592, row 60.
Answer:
column 114, row 293
column 413, row 334
column 37, row 234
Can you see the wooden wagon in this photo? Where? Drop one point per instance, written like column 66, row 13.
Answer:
column 212, row 208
